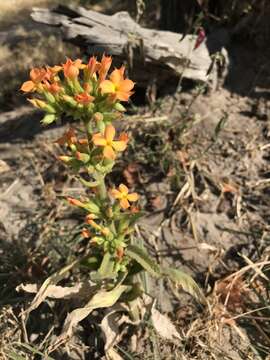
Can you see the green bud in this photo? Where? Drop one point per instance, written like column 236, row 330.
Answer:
column 50, row 109
column 119, row 107
column 73, row 148
column 50, row 98
column 69, row 100
column 90, row 107
column 92, row 207
column 48, row 119
column 98, row 117
column 101, row 127
column 82, row 157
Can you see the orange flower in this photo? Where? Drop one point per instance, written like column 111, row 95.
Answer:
column 53, row 88
column 124, row 197
column 104, row 67
column 69, row 138
column 86, row 233
column 52, row 71
column 37, row 76
column 117, row 86
column 92, row 67
column 84, row 98
column 72, row 68
column 120, row 253
column 75, row 202
column 107, row 142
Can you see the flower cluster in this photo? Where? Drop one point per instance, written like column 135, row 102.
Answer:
column 88, row 93
column 79, row 90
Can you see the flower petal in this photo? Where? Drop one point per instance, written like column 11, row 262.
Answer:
column 132, row 197
column 116, row 77
column 126, row 85
column 28, row 86
column 124, row 189
column 107, row 87
column 109, row 133
column 123, row 96
column 119, row 145
column 99, row 140
column 124, row 204
column 109, row 153
column 116, row 194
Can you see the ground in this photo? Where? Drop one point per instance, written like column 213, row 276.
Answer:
column 203, row 175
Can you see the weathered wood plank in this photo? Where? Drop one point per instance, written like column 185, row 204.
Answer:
column 160, row 53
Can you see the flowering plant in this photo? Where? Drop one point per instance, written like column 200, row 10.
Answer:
column 87, row 94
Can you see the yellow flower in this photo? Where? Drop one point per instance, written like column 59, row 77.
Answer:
column 117, row 86
column 108, row 143
column 123, row 195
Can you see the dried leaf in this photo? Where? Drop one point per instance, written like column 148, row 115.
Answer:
column 113, row 355
column 131, row 174
column 186, row 282
column 112, row 321
column 102, row 299
column 52, row 280
column 229, row 188
column 79, row 291
column 110, row 327
column 4, row 167
column 163, row 326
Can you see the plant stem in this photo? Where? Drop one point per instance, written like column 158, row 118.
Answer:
column 102, row 187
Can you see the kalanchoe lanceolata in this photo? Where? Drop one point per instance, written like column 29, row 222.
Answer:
column 91, row 96
column 83, row 92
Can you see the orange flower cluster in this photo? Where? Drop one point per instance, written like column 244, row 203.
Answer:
column 85, row 83
column 92, row 94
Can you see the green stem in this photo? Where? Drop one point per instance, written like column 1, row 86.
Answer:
column 102, row 187
column 87, row 133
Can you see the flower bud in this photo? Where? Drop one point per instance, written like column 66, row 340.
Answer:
column 92, row 207
column 69, row 100
column 50, row 98
column 98, row 116
column 86, row 233
column 75, row 202
column 65, row 159
column 119, row 107
column 82, row 157
column 105, row 231
column 48, row 119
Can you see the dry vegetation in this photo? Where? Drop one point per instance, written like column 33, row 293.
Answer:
column 205, row 188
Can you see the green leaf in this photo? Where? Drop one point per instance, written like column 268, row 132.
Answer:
column 106, row 270
column 140, row 256
column 186, row 282
column 92, row 263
